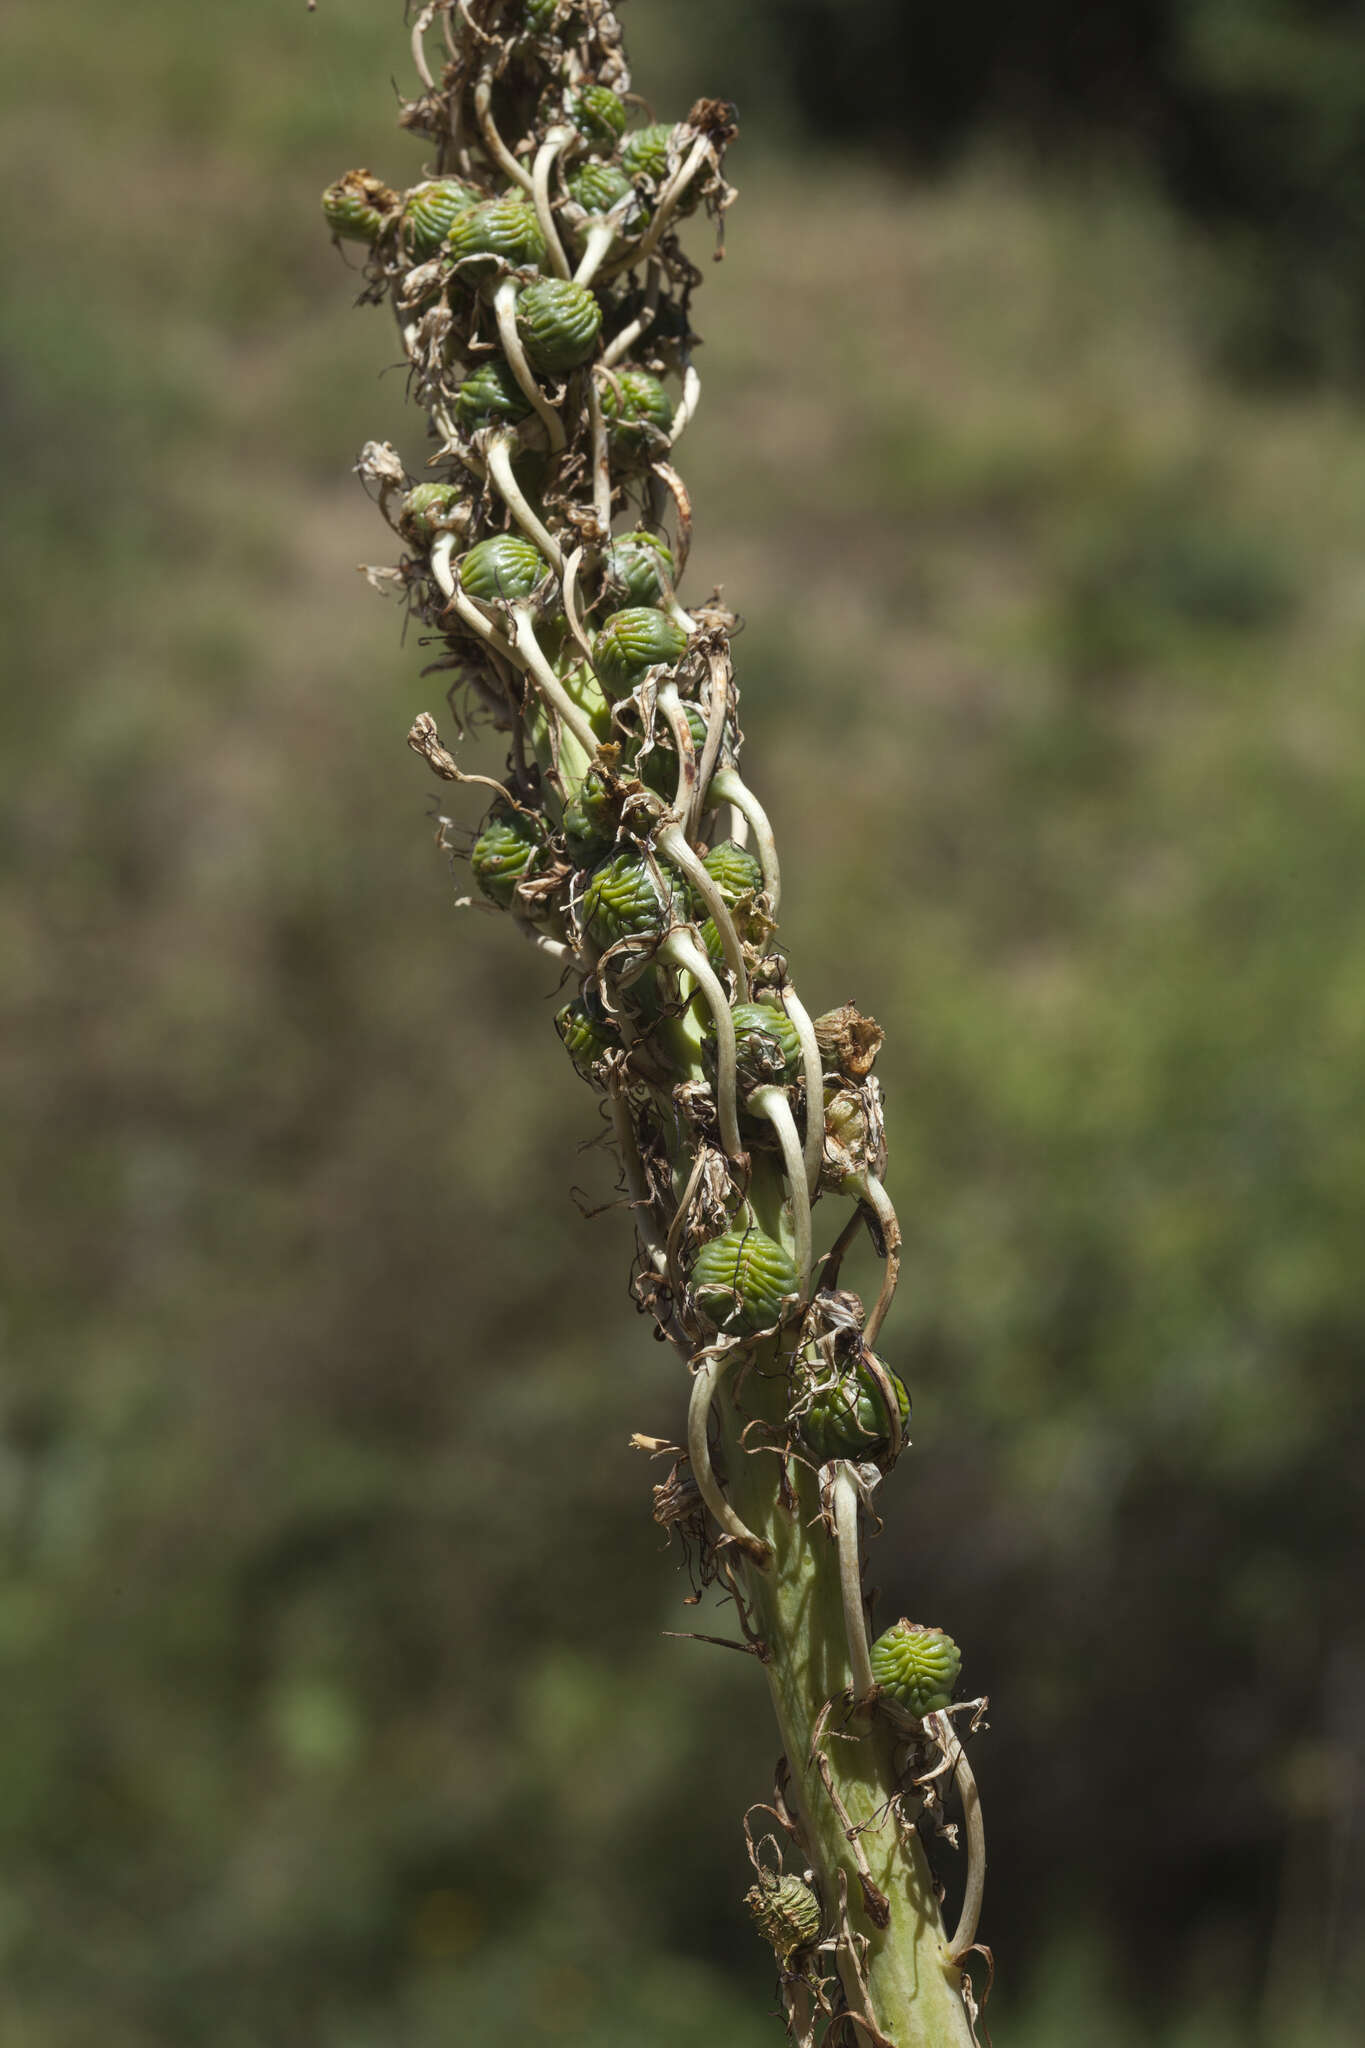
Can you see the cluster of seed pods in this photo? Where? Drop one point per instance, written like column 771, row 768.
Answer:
column 543, row 302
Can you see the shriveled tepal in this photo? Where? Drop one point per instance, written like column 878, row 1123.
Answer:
column 544, row 305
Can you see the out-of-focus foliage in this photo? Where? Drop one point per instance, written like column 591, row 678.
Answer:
column 333, row 1705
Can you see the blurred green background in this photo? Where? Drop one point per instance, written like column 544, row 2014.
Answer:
column 335, row 1708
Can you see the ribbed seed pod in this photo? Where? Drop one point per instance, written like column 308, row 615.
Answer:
column 850, row 1420
column 505, row 228
column 489, row 395
column 623, row 900
column 505, row 566
column 638, row 412
column 596, row 186
column 631, row 643
column 767, row 1047
column 658, row 769
column 635, row 570
column 597, row 113
column 559, row 323
column 734, row 870
column 426, row 511
column 358, row 206
column 430, row 212
column 588, row 1033
column 739, row 1282
column 507, row 851
column 591, row 819
column 645, row 153
column 917, row 1666
column 786, row 1913
column 539, row 15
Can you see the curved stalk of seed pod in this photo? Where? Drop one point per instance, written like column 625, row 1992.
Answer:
column 448, row 583
column 551, row 688
column 540, row 192
column 963, row 1937
column 670, row 704
column 775, row 1104
column 598, row 241
column 679, row 949
column 505, row 313
column 419, row 55
column 717, row 709
column 672, row 844
column 845, row 1506
column 708, row 1376
column 601, row 459
column 727, row 785
column 868, row 1189
column 499, row 459
column 643, row 321
column 488, row 128
column 569, row 592
column 813, row 1073
column 687, row 405
column 668, row 204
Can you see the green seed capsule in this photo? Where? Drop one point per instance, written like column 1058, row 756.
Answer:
column 917, row 1666
column 734, row 871
column 631, row 643
column 645, row 153
column 623, row 900
column 588, row 1033
column 506, row 566
column 637, row 569
column 638, row 412
column 539, row 16
column 505, row 228
column 490, row 395
column 559, row 323
column 786, row 1913
column 739, row 1282
column 767, row 1047
column 426, row 511
column 597, row 113
column 850, row 1420
column 507, row 851
column 596, row 187
column 358, row 207
column 431, row 210
column 591, row 819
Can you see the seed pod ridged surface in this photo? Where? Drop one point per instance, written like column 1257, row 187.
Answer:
column 849, row 1420
column 430, row 212
column 504, row 566
column 917, row 1666
column 631, row 643
column 505, row 228
column 507, row 851
column 740, row 1281
column 786, row 1913
column 638, row 412
column 490, row 394
column 559, row 323
column 624, row 901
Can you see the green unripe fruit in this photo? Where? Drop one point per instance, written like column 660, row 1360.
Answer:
column 917, row 1666
column 539, row 15
column 645, row 153
column 638, row 412
column 358, row 207
column 559, row 323
column 506, row 566
column 637, row 569
column 850, row 1420
column 590, row 820
column 498, row 228
column 739, row 1282
column 597, row 113
column 734, row 870
column 588, row 1034
column 596, row 187
column 631, row 643
column 623, row 900
column 430, row 212
column 507, row 851
column 786, row 1913
column 489, row 396
column 426, row 511
column 767, row 1047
